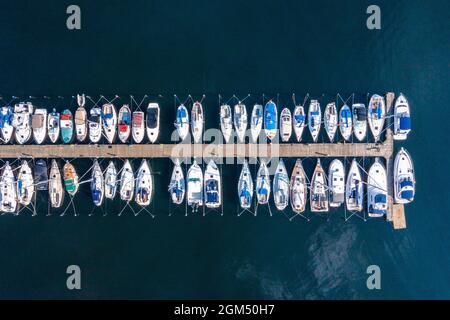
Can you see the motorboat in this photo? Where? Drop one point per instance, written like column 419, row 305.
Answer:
column 226, row 122
column 41, row 175
column 359, row 121
column 299, row 122
column 245, row 187
column 109, row 119
column 70, row 177
column 6, row 123
column 345, row 122
column 110, row 181
column 39, row 125
column 354, row 189
column 377, row 190
column 285, row 125
column 144, row 184
column 377, row 115
column 195, row 186
column 330, row 119
column 402, row 118
column 197, row 122
column 256, row 122
column 270, row 120
column 127, row 182
column 25, row 184
column 177, row 185
column 22, row 122
column 66, row 124
column 182, row 122
column 97, row 184
column 298, row 188
column 152, row 122
column 319, row 190
column 8, row 198
column 124, row 123
column 213, row 186
column 240, row 121
column 55, row 186
column 95, row 125
column 404, row 178
column 53, row 125
column 263, row 184
column 314, row 119
column 137, row 126
column 81, row 128
column 336, row 181
column 281, row 186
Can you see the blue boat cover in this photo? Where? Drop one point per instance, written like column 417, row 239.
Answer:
column 345, row 113
column 181, row 113
column 126, row 117
column 405, row 123
column 299, row 118
column 406, row 183
column 407, row 194
column 96, row 195
column 315, row 113
column 270, row 116
column 380, row 198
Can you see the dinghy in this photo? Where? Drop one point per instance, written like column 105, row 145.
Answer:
column 226, row 122
column 144, row 184
column 126, row 182
column 197, row 122
column 319, row 190
column 95, row 125
column 25, row 184
column 354, row 189
column 70, row 178
column 81, row 123
column 213, row 186
column 336, row 180
column 177, row 185
column 281, row 186
column 39, row 125
column 137, row 126
column 359, row 121
column 270, row 120
column 256, row 122
column 330, row 119
column 8, row 201
column 110, row 181
column 55, row 186
column 345, row 122
column 314, row 119
column 97, row 184
column 402, row 118
column 124, row 123
column 152, row 122
column 109, row 119
column 41, row 175
column 377, row 114
column 182, row 122
column 298, row 188
column 263, row 184
column 195, row 186
column 299, row 122
column 404, row 178
column 53, row 126
column 245, row 187
column 66, row 126
column 240, row 121
column 22, row 122
column 6, row 123
column 377, row 190
column 285, row 125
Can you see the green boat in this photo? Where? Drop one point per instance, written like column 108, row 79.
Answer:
column 70, row 179
column 66, row 126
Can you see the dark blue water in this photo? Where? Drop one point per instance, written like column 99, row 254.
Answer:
column 258, row 47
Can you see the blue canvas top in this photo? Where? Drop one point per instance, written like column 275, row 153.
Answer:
column 96, row 195
column 406, row 183
column 315, row 113
column 380, row 198
column 407, row 194
column 299, row 118
column 270, row 116
column 405, row 123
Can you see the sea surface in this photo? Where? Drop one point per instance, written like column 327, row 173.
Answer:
column 268, row 49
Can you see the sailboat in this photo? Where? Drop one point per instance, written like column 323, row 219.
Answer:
column 109, row 118
column 8, row 202
column 127, row 182
column 240, row 121
column 270, row 120
column 298, row 188
column 299, row 122
column 281, row 186
column 70, row 178
column 402, row 118
column 25, row 184
column 377, row 115
column 256, row 121
column 41, row 175
column 345, row 122
column 6, row 123
column 226, row 122
column 197, row 122
column 319, row 190
column 354, row 188
column 314, row 119
column 263, row 184
column 95, row 125
column 177, row 185
column 377, row 190
column 182, row 122
column 152, row 122
column 245, row 187
column 22, row 122
column 97, row 184
column 213, row 185
column 144, row 184
column 81, row 130
column 404, row 178
column 66, row 126
column 110, row 181
column 55, row 186
column 336, row 179
column 195, row 186
column 137, row 126
column 285, row 125
column 359, row 121
column 124, row 123
column 53, row 125
column 330, row 119
column 39, row 125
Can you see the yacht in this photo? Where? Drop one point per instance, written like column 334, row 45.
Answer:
column 213, row 186
column 22, row 122
column 25, row 184
column 197, row 122
column 55, row 186
column 299, row 122
column 240, row 121
column 39, row 125
column 182, row 122
column 270, row 120
column 226, row 122
column 402, row 118
column 345, row 122
column 70, row 177
column 144, row 184
column 152, row 122
column 97, row 184
column 109, row 119
column 95, row 125
column 126, row 182
column 81, row 128
column 6, row 123
column 359, row 121
column 281, row 186
column 298, row 188
column 354, row 188
column 110, row 181
column 263, row 184
column 314, row 119
column 41, row 175
column 256, row 121
column 319, row 190
column 66, row 124
column 8, row 198
column 195, row 186
column 245, row 187
column 336, row 180
column 285, row 125
column 330, row 119
column 53, row 125
column 377, row 190
column 377, row 115
column 137, row 126
column 404, row 178
column 124, row 123
column 177, row 186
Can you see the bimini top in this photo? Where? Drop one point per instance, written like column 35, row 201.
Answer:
column 152, row 115
column 405, row 123
column 380, row 198
column 361, row 113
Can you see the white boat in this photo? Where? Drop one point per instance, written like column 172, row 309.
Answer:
column 404, row 178
column 285, row 125
column 195, row 186
column 245, row 187
column 53, row 125
column 81, row 129
column 330, row 119
column 22, row 122
column 152, row 122
column 177, row 185
column 336, row 180
column 319, row 190
column 110, row 181
column 124, row 123
column 182, row 122
column 345, row 122
column 39, row 125
column 270, row 120
column 8, row 199
column 377, row 115
column 256, row 122
column 240, row 121
column 377, row 190
column 314, row 119
column 144, row 184
column 281, row 186
column 6, row 123
column 25, row 184
column 299, row 122
column 226, row 122
column 109, row 118
column 213, row 186
column 97, row 184
column 298, row 188
column 354, row 189
column 127, row 182
column 359, row 121
column 95, row 125
column 402, row 118
column 55, row 186
column 197, row 122
column 137, row 126
column 263, row 184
